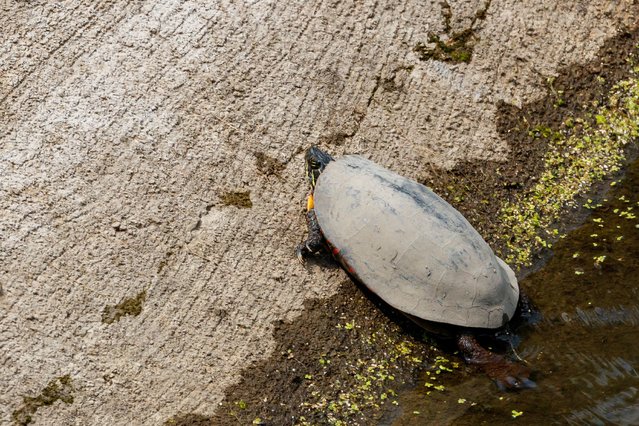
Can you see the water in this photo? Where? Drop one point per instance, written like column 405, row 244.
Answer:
column 585, row 351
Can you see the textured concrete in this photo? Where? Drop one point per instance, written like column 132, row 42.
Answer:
column 123, row 125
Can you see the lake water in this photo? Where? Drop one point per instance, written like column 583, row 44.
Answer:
column 585, row 350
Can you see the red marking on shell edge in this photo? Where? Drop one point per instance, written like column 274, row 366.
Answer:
column 336, row 253
column 348, row 267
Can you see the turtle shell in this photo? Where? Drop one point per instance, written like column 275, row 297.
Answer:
column 411, row 247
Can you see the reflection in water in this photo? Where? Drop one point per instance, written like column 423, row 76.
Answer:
column 620, row 409
column 585, row 350
column 600, row 317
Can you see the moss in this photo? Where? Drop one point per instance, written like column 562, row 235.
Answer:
column 130, row 306
column 583, row 151
column 240, row 199
column 459, row 46
column 58, row 389
column 268, row 165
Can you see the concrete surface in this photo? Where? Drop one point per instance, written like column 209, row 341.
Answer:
column 124, row 124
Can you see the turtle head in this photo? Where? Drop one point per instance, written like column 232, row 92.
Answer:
column 316, row 161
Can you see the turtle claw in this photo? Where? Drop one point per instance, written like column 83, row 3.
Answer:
column 513, row 384
column 299, row 253
column 510, row 376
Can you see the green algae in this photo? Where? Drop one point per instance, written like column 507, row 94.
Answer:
column 240, row 199
column 456, row 47
column 130, row 306
column 59, row 389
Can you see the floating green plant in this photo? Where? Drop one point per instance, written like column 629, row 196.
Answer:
column 592, row 149
column 374, row 380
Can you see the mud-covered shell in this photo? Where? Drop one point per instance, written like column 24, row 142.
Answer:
column 411, row 247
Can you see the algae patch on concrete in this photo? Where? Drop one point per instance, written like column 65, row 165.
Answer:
column 455, row 47
column 129, row 306
column 58, row 389
column 583, row 151
column 240, row 199
column 458, row 48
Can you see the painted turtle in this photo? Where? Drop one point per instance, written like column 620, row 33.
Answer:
column 416, row 252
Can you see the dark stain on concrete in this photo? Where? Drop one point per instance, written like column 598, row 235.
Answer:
column 240, row 199
column 131, row 306
column 58, row 389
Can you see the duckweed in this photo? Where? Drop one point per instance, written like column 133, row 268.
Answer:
column 374, row 380
column 592, row 149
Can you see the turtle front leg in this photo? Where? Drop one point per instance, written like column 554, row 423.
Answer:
column 508, row 375
column 315, row 240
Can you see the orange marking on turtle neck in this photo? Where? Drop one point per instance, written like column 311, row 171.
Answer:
column 310, row 203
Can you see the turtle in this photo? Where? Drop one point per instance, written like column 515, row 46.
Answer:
column 417, row 253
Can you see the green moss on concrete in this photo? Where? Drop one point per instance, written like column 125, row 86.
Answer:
column 240, row 199
column 58, row 389
column 131, row 306
column 457, row 47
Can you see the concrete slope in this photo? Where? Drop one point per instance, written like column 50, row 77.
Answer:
column 151, row 164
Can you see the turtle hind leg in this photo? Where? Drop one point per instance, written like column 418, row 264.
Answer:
column 508, row 375
column 315, row 241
